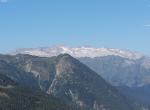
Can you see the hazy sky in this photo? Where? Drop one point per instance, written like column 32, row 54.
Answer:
column 100, row 23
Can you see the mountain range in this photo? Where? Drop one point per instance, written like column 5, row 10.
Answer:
column 119, row 67
column 57, row 83
column 126, row 70
column 50, row 78
column 78, row 52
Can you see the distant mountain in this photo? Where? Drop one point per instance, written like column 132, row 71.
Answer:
column 65, row 78
column 78, row 52
column 121, row 71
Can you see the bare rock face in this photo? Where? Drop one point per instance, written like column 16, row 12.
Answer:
column 64, row 66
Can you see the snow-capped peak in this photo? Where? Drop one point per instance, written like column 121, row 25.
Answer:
column 78, row 52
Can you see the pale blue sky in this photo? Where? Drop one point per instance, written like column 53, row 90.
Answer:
column 100, row 23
